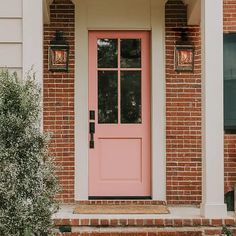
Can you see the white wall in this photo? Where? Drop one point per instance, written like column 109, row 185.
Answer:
column 11, row 35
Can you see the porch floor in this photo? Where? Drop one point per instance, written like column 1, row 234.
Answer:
column 176, row 212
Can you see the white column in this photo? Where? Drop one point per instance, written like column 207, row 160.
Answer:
column 212, row 109
column 81, row 101
column 158, row 100
column 33, row 37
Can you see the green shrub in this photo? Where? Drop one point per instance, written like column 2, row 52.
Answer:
column 226, row 231
column 27, row 181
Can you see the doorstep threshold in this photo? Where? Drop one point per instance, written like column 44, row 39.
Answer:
column 176, row 212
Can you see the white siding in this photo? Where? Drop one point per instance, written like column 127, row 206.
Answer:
column 21, row 36
column 10, row 30
column 11, row 9
column 13, row 70
column 11, row 38
column 10, row 55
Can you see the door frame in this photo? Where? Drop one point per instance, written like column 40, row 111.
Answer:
column 158, row 156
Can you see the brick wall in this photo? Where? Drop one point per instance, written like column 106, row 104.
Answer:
column 183, row 107
column 183, row 114
column 59, row 99
column 230, row 139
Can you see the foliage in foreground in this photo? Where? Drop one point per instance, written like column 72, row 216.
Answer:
column 27, row 181
column 226, row 231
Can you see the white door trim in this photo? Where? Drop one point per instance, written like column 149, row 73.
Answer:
column 157, row 26
column 32, row 46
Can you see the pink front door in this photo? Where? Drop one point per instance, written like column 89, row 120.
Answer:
column 119, row 110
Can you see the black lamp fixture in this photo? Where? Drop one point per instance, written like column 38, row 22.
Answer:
column 184, row 52
column 58, row 52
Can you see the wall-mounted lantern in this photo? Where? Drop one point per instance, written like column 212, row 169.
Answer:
column 184, row 53
column 58, row 54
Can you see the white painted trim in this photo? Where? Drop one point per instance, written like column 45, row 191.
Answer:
column 158, row 99
column 212, row 110
column 46, row 11
column 33, row 38
column 193, row 11
column 81, row 101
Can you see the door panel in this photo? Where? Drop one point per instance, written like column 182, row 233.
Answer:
column 119, row 93
column 113, row 152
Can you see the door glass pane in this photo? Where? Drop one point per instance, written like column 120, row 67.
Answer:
column 107, row 97
column 131, row 97
column 107, row 53
column 130, row 53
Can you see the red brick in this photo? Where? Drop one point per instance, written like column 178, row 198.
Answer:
column 59, row 99
column 123, row 222
column 140, row 222
column 183, row 114
column 217, row 222
column 75, row 222
column 229, row 222
column 131, row 222
column 94, row 222
column 149, row 222
column 152, row 234
column 205, row 222
column 84, row 222
column 159, row 222
column 166, row 234
column 168, row 222
column 213, row 232
column 114, row 222
column 104, row 222
column 178, row 222
column 187, row 222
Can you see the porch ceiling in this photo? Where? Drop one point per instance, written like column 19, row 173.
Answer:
column 194, row 11
column 46, row 9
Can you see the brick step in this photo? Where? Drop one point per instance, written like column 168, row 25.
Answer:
column 131, row 222
column 144, row 227
column 155, row 232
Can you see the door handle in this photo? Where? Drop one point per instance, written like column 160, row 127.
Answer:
column 92, row 132
column 91, row 142
column 92, row 128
